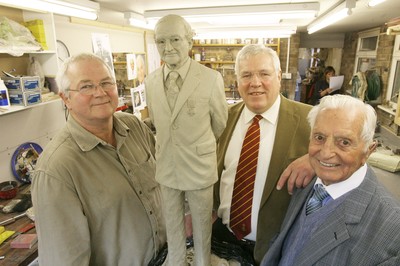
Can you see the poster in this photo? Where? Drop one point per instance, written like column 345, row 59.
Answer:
column 102, row 48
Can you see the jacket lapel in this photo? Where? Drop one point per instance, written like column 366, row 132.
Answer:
column 287, row 126
column 190, row 83
column 334, row 230
column 160, row 90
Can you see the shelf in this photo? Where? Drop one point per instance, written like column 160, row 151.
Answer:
column 18, row 108
column 216, row 62
column 229, row 45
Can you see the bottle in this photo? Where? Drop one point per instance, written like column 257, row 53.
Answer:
column 4, row 98
column 203, row 54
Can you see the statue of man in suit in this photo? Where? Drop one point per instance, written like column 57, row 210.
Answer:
column 187, row 106
column 343, row 217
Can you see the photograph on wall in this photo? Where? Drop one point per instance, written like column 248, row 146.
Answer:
column 101, row 47
column 138, row 100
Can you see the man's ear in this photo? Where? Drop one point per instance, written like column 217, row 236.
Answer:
column 65, row 99
column 372, row 147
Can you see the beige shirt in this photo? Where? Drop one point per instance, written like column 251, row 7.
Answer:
column 95, row 204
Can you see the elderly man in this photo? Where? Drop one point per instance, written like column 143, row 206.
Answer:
column 344, row 217
column 282, row 137
column 94, row 192
column 187, row 106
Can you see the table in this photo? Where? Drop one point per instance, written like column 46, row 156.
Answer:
column 16, row 256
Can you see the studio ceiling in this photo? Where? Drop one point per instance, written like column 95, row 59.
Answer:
column 362, row 17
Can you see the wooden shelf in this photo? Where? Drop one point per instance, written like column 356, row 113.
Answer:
column 230, row 45
column 216, row 62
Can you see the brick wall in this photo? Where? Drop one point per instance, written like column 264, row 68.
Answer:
column 288, row 86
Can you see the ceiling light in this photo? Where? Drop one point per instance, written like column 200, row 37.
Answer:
column 247, row 15
column 137, row 20
column 244, row 32
column 375, row 2
column 338, row 13
column 74, row 8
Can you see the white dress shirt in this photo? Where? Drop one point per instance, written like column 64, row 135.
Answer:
column 267, row 136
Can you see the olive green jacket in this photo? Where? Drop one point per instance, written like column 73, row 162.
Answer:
column 291, row 142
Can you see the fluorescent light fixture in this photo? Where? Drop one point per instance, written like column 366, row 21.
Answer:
column 249, row 15
column 244, row 32
column 138, row 20
column 375, row 2
column 338, row 13
column 82, row 9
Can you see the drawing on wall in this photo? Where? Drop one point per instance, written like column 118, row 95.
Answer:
column 140, row 69
column 102, row 48
column 154, row 59
column 131, row 66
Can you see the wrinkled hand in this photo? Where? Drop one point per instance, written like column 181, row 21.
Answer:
column 298, row 173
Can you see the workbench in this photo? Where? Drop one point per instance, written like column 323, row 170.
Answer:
column 17, row 256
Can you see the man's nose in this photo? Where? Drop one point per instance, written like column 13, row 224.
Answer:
column 255, row 79
column 328, row 149
column 168, row 45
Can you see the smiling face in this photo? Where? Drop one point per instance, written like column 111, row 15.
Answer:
column 90, row 110
column 172, row 44
column 259, row 83
column 336, row 148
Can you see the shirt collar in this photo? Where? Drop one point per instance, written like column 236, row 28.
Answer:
column 271, row 115
column 339, row 189
column 183, row 70
column 86, row 140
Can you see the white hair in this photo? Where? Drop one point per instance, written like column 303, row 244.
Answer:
column 350, row 104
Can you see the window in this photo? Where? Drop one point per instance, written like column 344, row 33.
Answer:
column 368, row 43
column 366, row 50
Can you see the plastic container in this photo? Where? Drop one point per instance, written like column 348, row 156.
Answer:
column 4, row 97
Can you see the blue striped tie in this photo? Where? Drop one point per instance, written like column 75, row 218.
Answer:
column 317, row 198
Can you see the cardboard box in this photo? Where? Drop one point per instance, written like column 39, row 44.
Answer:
column 27, row 83
column 37, row 29
column 25, row 98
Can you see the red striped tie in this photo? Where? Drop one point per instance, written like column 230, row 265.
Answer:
column 240, row 218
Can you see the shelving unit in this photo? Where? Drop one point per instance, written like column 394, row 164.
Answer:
column 21, row 124
column 216, row 58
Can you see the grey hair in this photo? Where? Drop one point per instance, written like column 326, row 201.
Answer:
column 64, row 83
column 189, row 33
column 350, row 104
column 256, row 49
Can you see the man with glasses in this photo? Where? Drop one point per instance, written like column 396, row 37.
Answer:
column 187, row 106
column 94, row 192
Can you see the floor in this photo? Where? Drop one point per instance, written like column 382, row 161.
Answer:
column 389, row 179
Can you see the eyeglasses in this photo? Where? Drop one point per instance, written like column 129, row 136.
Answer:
column 174, row 41
column 90, row 89
column 262, row 75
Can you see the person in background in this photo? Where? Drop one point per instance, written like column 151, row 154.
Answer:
column 345, row 216
column 94, row 192
column 186, row 103
column 284, row 137
column 322, row 86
